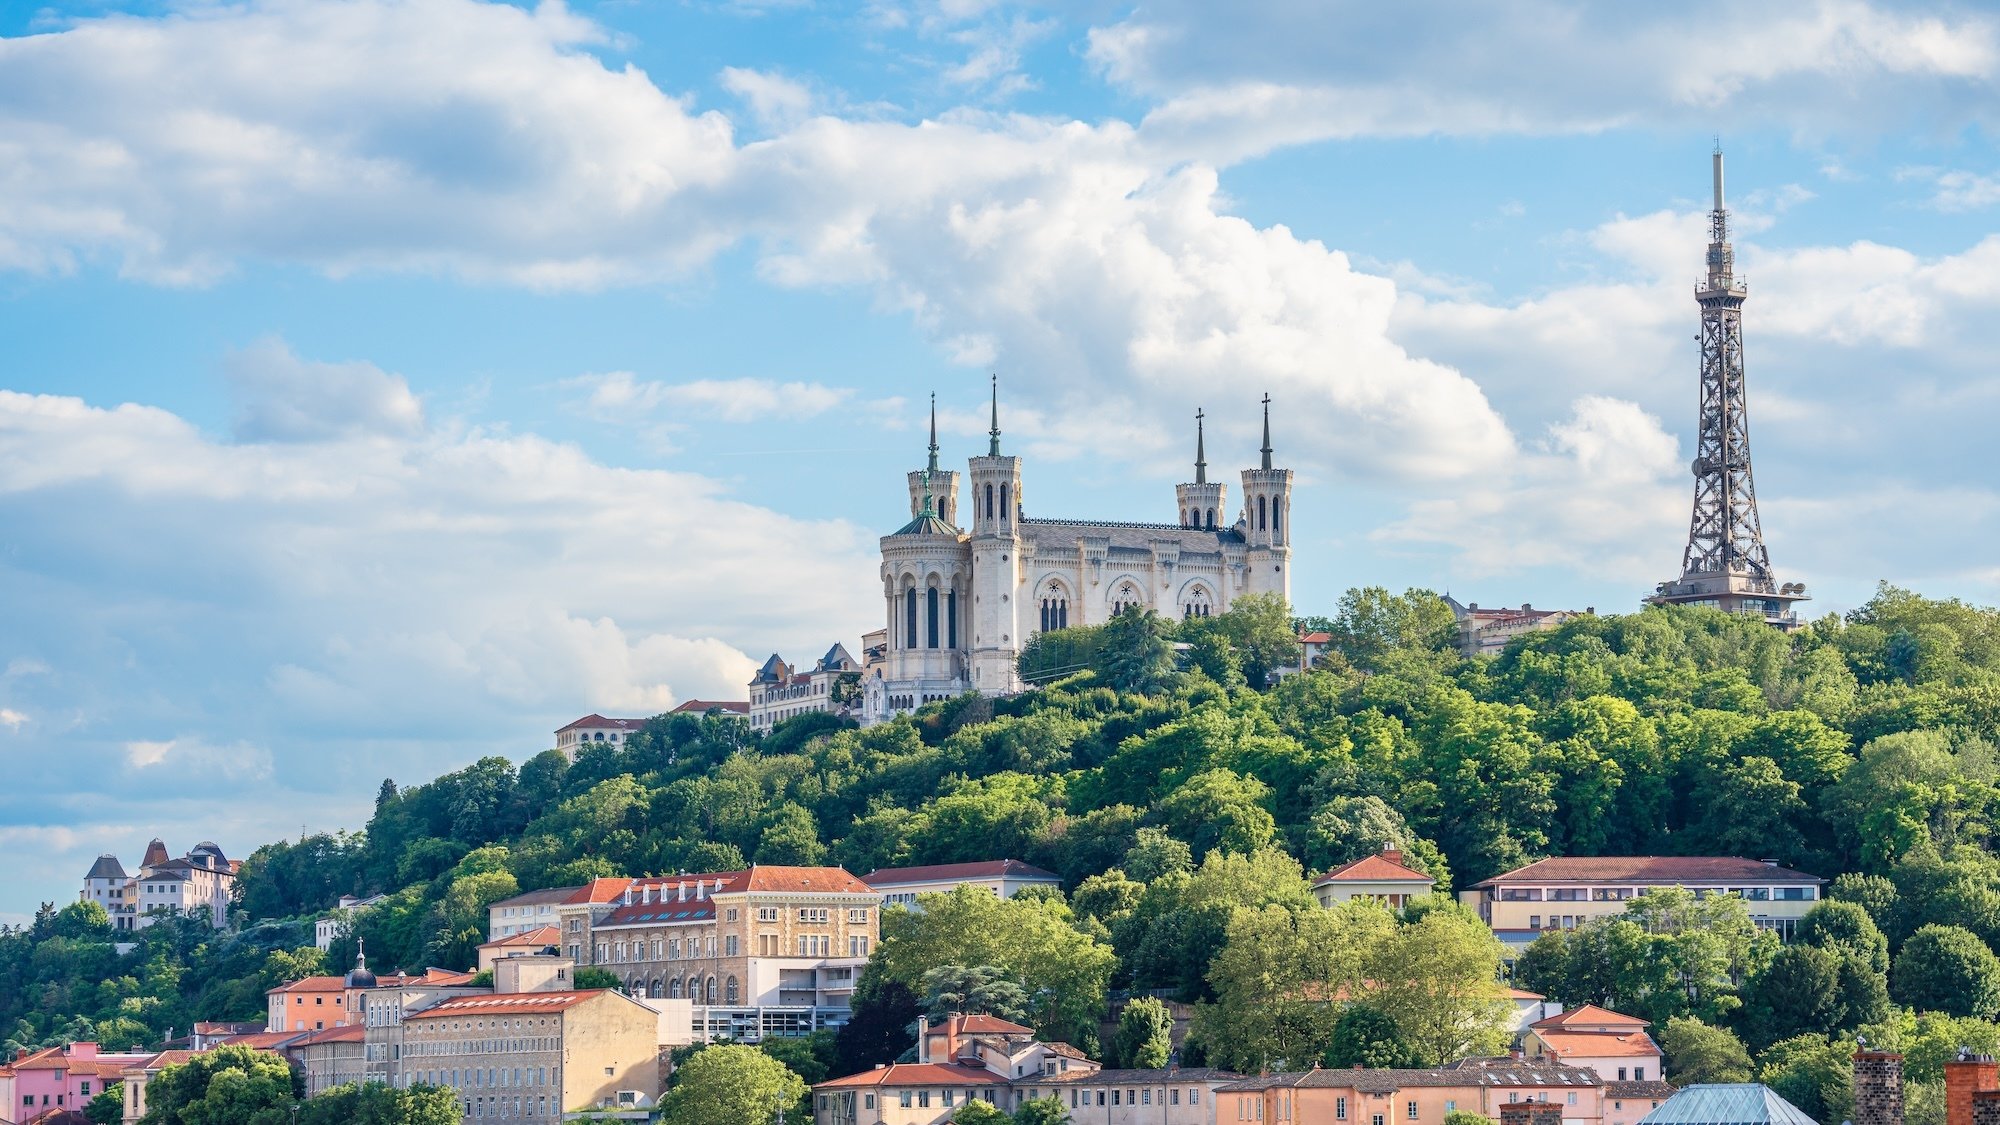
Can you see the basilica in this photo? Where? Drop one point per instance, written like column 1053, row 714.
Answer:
column 962, row 598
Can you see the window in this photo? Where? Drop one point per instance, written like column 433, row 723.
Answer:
column 1340, row 1109
column 1260, row 527
column 1638, row 1074
column 910, row 617
column 1534, row 921
column 1451, row 1105
column 1174, row 1096
column 1572, row 1097
column 767, row 914
column 1114, row 1096
column 923, row 1099
column 931, row 617
column 1411, row 1112
column 1194, row 1095
column 1375, row 1120
column 906, row 1098
column 1621, row 1074
column 867, row 1101
column 1146, row 1096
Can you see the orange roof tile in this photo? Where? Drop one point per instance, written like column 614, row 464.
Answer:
column 538, row 937
column 1379, row 868
column 600, row 890
column 980, row 1024
column 1567, row 1044
column 917, row 1074
column 263, row 1040
column 507, row 1004
column 351, row 1033
column 312, row 984
column 1590, row 1015
column 1524, row 994
column 1653, row 869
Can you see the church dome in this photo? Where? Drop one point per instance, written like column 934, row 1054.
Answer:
column 359, row 976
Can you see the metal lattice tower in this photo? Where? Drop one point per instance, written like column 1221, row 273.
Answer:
column 1725, row 564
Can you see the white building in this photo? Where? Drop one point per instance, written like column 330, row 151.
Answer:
column 530, row 910
column 595, row 728
column 960, row 604
column 199, row 882
column 779, row 692
column 1004, row 877
column 326, row 929
column 1382, row 877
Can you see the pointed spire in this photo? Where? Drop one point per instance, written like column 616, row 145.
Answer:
column 993, row 447
column 1200, row 451
column 1267, row 429
column 361, row 954
column 933, row 467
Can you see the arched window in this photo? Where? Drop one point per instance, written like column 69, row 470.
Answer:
column 1260, row 513
column 674, row 989
column 1277, row 517
column 1006, row 509
column 1197, row 603
column 709, row 988
column 734, row 994
column 1126, row 597
column 1211, row 519
column 653, row 989
column 1055, row 606
column 951, row 619
column 1184, row 517
column 910, row 617
column 931, row 616
column 989, row 501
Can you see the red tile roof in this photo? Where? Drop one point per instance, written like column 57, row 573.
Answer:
column 1591, row 1044
column 1315, row 638
column 312, row 984
column 917, row 1074
column 161, row 1061
column 1386, row 867
column 980, row 1024
column 508, row 1004
column 1659, row 869
column 353, row 1033
column 1524, row 994
column 986, row 869
column 537, row 937
column 1590, row 1015
column 704, row 706
column 599, row 891
column 263, row 1040
column 761, row 878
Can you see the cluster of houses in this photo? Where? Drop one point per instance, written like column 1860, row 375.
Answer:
column 775, row 951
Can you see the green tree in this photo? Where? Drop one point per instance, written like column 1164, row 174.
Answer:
column 590, row 976
column 108, row 1107
column 1798, row 993
column 1135, row 652
column 1366, row 1036
column 1041, row 1111
column 1813, row 1072
column 227, row 1086
column 984, row 989
column 1438, row 978
column 1466, row 1117
column 1145, row 1034
column 1947, row 969
column 1698, row 1053
column 1154, row 854
column 1371, row 626
column 1273, row 978
column 1220, row 809
column 976, row 1112
column 373, row 1103
column 731, row 1085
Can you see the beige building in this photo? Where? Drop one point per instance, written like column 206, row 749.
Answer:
column 779, row 692
column 199, row 883
column 1134, row 1097
column 1006, row 878
column 593, row 727
column 535, row 1056
column 334, row 1057
column 1493, row 1088
column 136, row 1076
column 765, row 951
column 1382, row 878
column 1563, row 893
column 959, row 1060
column 1488, row 632
column 1614, row 1045
column 527, row 941
column 529, row 911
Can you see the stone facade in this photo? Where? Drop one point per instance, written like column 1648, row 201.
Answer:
column 199, row 883
column 533, row 1057
column 961, row 603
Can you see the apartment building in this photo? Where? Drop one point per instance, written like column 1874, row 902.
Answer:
column 1168, row 1096
column 55, row 1079
column 961, row 1059
column 326, row 929
column 198, row 883
column 1565, row 892
column 529, row 911
column 1006, row 878
column 535, row 1056
column 320, row 1002
column 336, row 1056
column 1614, row 1045
column 1359, row 1096
column 572, row 738
column 527, row 941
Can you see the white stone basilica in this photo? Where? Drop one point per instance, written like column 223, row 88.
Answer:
column 961, row 603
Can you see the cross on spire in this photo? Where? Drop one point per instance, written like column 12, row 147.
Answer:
column 993, row 447
column 933, row 467
column 1267, row 429
column 1200, row 451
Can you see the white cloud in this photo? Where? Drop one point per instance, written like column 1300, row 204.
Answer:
column 1955, row 189
column 11, row 719
column 281, row 397
column 618, row 395
column 140, row 754
column 1273, row 72
column 776, row 101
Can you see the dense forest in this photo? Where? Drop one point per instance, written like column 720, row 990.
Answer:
column 1184, row 796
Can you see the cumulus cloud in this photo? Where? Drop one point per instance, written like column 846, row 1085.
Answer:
column 281, row 397
column 11, row 719
column 1278, row 71
column 620, row 395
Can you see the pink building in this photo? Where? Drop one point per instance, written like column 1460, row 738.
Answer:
column 57, row 1078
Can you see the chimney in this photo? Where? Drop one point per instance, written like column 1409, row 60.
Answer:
column 924, row 1040
column 1542, row 1113
column 1985, row 1107
column 1516, row 1113
column 1878, row 1087
column 1393, row 855
column 1965, row 1076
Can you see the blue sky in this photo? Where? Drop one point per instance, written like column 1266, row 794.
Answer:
column 386, row 383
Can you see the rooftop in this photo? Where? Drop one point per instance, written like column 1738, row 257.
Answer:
column 507, row 1003
column 1384, row 867
column 1586, row 1016
column 598, row 722
column 1598, row 1044
column 704, row 706
column 1658, row 869
column 917, row 1074
column 1735, row 1103
column 983, row 869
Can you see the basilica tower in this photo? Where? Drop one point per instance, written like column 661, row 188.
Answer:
column 1202, row 504
column 1267, row 518
column 996, row 563
column 942, row 483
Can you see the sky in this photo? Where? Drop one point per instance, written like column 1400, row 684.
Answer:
column 385, row 383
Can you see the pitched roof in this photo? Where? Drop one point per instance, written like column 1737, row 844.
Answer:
column 704, row 706
column 1735, row 1103
column 983, row 869
column 107, row 867
column 536, row 898
column 667, row 905
column 1383, row 867
column 980, row 1023
column 1587, row 1016
column 599, row 891
column 312, row 984
column 1639, row 1091
column 1137, row 1077
column 917, row 1074
column 1524, row 994
column 348, row 1033
column 594, row 721
column 1661, row 869
column 263, row 1040
column 537, row 937
column 1465, row 1072
column 507, row 1004
column 1598, row 1044
column 161, row 1061
column 1315, row 638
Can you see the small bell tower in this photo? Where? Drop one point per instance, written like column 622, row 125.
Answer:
column 943, row 483
column 996, row 564
column 1267, row 521
column 1202, row 504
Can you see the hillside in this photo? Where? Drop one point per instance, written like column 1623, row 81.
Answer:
column 1860, row 748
